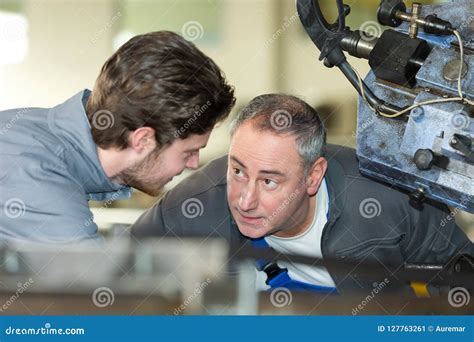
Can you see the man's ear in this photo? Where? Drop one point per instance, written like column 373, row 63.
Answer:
column 142, row 140
column 315, row 175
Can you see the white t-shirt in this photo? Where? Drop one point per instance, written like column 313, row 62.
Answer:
column 308, row 243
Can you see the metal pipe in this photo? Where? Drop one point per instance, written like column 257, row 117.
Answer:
column 359, row 44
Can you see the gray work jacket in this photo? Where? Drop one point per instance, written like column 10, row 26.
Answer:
column 390, row 232
column 49, row 170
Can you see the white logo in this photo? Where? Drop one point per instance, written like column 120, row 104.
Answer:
column 103, row 119
column 458, row 296
column 192, row 208
column 370, row 30
column 192, row 30
column 102, row 297
column 14, row 208
column 370, row 208
column 460, row 120
column 280, row 119
column 280, row 297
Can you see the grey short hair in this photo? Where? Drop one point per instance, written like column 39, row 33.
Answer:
column 286, row 114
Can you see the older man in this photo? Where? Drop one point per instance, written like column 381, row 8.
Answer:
column 281, row 187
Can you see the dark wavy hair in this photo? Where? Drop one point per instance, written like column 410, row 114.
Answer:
column 162, row 81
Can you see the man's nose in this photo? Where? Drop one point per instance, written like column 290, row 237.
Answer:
column 248, row 198
column 193, row 162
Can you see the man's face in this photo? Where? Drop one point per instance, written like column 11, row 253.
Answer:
column 266, row 189
column 158, row 168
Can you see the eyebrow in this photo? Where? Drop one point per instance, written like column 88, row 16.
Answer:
column 195, row 149
column 268, row 172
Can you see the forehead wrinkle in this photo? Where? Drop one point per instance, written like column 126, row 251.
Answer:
column 248, row 155
column 275, row 151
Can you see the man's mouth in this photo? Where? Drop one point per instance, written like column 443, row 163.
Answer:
column 249, row 219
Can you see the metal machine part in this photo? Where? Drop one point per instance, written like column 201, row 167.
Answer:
column 393, row 13
column 430, row 151
column 394, row 64
column 328, row 40
column 388, row 61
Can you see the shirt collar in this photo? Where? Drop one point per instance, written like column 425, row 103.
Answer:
column 69, row 123
column 335, row 177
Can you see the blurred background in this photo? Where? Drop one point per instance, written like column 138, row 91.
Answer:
column 52, row 49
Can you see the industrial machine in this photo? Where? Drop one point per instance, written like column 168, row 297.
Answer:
column 415, row 127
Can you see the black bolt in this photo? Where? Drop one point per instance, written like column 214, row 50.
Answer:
column 424, row 159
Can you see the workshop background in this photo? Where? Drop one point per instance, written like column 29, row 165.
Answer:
column 51, row 49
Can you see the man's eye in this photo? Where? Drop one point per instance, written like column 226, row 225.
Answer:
column 190, row 154
column 237, row 172
column 270, row 183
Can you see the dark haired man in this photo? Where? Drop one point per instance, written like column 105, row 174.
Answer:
column 152, row 109
column 281, row 187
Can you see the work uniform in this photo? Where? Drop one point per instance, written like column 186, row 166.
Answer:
column 49, row 170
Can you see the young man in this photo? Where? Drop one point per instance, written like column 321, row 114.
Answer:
column 281, row 187
column 152, row 109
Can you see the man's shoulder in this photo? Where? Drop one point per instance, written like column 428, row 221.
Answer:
column 197, row 206
column 207, row 182
column 345, row 157
column 358, row 188
column 29, row 122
